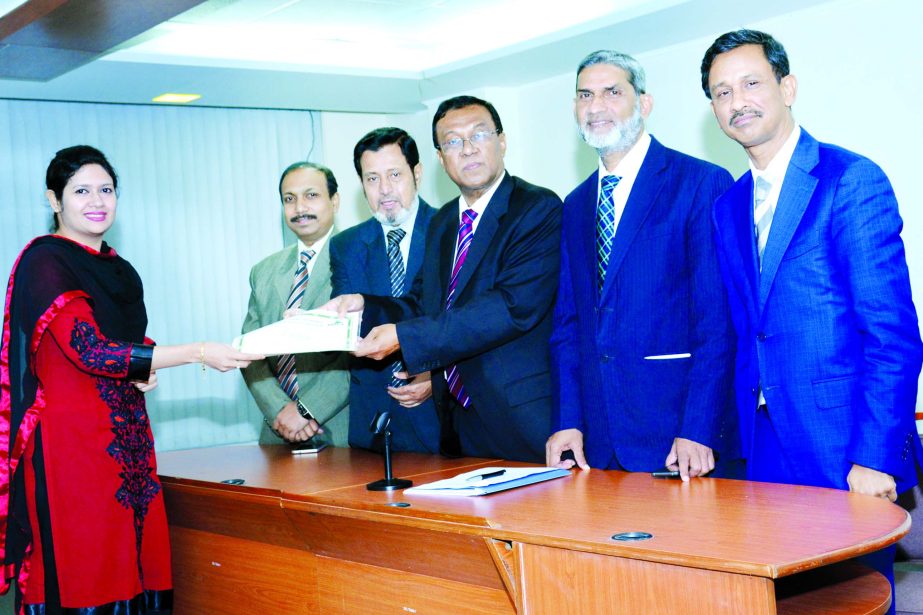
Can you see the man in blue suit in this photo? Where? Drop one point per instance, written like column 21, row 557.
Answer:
column 828, row 350
column 641, row 341
column 479, row 313
column 381, row 256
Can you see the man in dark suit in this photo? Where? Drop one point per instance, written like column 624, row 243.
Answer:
column 828, row 350
column 382, row 256
column 479, row 315
column 641, row 339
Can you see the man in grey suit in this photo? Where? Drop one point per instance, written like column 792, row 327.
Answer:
column 382, row 256
column 299, row 393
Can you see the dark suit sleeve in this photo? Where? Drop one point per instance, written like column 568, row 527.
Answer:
column 866, row 235
column 565, row 354
column 707, row 399
column 520, row 296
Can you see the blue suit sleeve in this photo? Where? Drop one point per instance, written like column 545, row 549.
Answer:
column 708, row 401
column 567, row 411
column 866, row 233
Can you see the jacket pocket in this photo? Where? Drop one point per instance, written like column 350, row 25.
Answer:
column 528, row 389
column 834, row 392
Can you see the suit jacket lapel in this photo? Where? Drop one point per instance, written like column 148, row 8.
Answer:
column 797, row 188
column 377, row 270
column 285, row 275
column 643, row 194
column 417, row 241
column 318, row 282
column 582, row 243
column 447, row 239
column 487, row 228
column 734, row 219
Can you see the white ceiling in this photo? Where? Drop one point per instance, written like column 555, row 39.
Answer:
column 397, row 38
column 377, row 55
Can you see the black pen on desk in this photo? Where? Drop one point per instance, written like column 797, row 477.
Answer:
column 486, row 476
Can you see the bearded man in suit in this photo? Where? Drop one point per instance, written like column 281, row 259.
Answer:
column 381, row 256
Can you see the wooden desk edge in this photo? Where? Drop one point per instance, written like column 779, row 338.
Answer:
column 478, row 526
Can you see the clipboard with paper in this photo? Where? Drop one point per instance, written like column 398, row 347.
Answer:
column 485, row 481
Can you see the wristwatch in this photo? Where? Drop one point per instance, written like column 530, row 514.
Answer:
column 303, row 411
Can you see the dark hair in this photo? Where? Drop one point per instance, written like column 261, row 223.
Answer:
column 379, row 138
column 460, row 102
column 67, row 162
column 328, row 174
column 772, row 49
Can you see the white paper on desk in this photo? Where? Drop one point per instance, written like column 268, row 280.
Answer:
column 467, row 484
column 306, row 331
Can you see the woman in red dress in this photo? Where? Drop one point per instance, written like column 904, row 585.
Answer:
column 82, row 523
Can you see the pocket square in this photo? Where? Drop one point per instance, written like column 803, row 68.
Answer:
column 661, row 357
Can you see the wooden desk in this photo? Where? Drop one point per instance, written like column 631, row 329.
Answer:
column 303, row 535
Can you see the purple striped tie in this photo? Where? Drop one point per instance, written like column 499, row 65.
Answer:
column 465, row 235
column 285, row 368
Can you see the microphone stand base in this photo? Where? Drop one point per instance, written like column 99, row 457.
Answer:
column 389, row 485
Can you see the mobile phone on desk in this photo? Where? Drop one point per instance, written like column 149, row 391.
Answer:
column 308, row 447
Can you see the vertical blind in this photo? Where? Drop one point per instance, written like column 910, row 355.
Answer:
column 198, row 206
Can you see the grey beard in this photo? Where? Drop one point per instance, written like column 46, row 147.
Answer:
column 619, row 139
column 398, row 219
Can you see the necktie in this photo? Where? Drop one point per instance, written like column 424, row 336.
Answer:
column 605, row 226
column 762, row 215
column 285, row 368
column 396, row 270
column 465, row 235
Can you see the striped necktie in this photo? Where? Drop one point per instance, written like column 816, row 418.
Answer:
column 605, row 226
column 285, row 368
column 465, row 235
column 762, row 215
column 396, row 271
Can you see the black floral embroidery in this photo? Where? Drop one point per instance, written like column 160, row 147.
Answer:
column 133, row 448
column 97, row 353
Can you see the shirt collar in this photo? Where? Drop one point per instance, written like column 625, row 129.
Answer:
column 318, row 245
column 774, row 172
column 631, row 163
column 481, row 204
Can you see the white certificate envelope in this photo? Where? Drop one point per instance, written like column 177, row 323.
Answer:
column 306, row 331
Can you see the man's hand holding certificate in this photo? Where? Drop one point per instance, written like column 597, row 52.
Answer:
column 303, row 331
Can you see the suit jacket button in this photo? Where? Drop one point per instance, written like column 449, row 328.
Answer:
column 761, row 336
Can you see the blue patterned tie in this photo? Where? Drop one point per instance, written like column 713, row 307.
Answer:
column 605, row 227
column 465, row 236
column 285, row 368
column 762, row 215
column 396, row 271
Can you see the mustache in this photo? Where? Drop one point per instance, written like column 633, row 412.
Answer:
column 745, row 111
column 300, row 216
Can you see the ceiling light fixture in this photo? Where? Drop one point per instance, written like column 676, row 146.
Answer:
column 171, row 97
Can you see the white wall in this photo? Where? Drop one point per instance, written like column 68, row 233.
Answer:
column 859, row 71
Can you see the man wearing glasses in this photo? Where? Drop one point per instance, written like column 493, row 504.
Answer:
column 479, row 314
column 641, row 343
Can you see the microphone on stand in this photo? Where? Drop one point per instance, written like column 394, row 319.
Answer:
column 379, row 426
